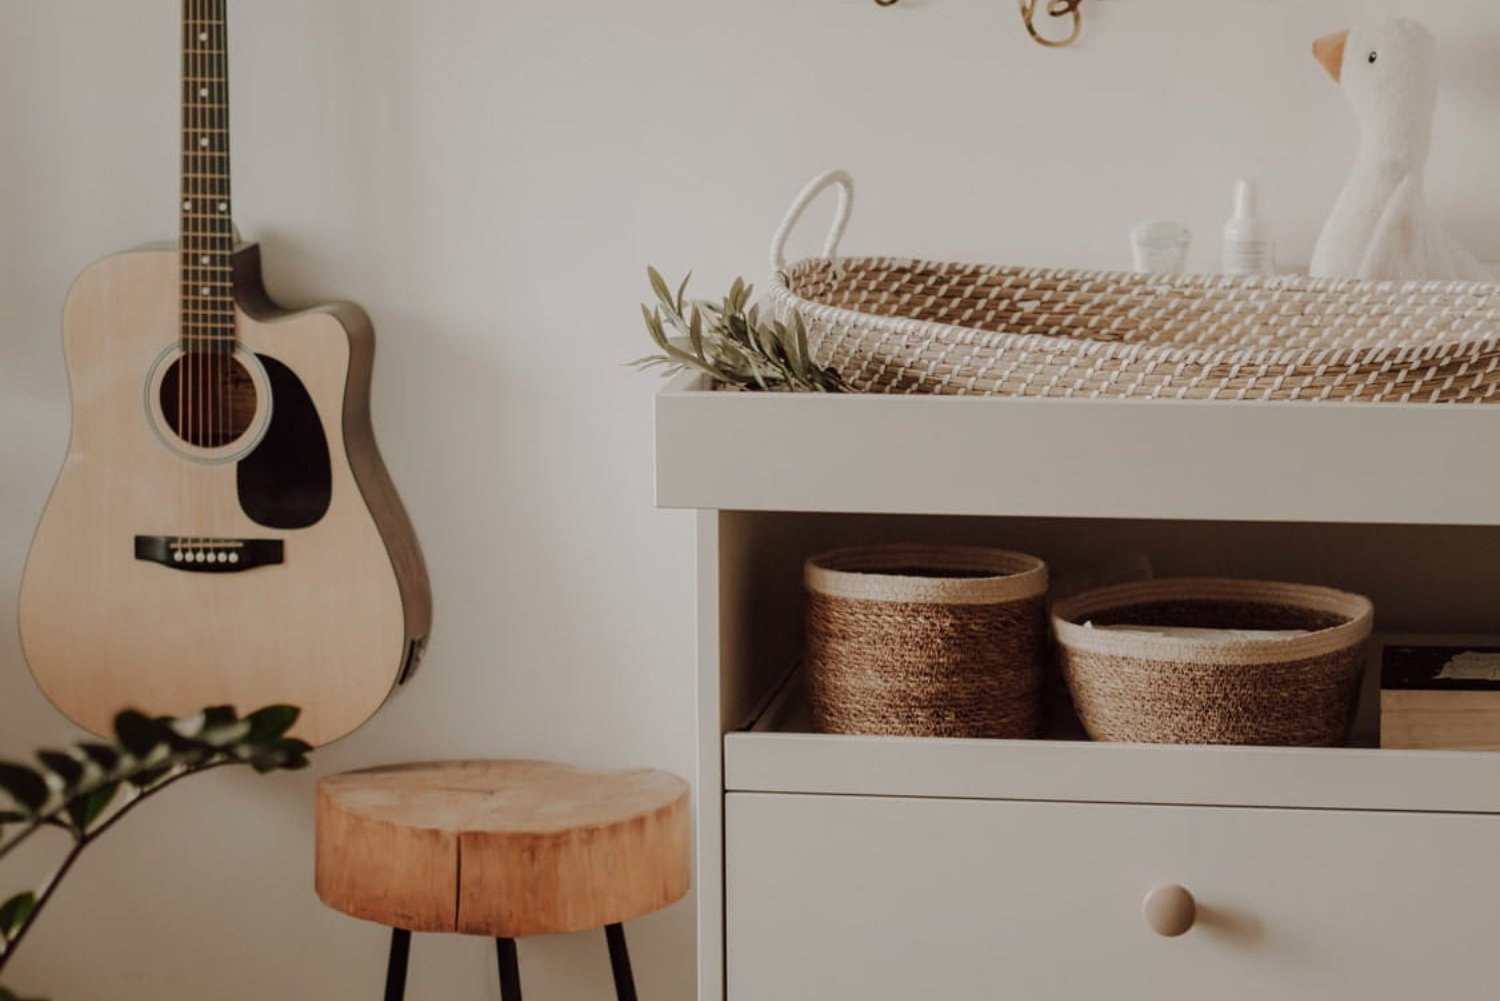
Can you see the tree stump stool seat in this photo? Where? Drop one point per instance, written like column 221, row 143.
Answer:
column 502, row 849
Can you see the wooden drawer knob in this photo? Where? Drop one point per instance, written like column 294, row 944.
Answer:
column 1170, row 910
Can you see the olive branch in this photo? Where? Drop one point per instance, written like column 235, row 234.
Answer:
column 731, row 343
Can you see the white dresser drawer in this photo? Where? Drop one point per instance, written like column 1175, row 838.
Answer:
column 876, row 899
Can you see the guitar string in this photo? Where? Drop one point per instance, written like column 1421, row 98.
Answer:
column 188, row 123
column 191, row 225
column 219, row 196
column 200, row 226
column 205, row 368
column 220, row 311
column 224, row 294
column 216, row 318
column 226, row 231
column 204, row 306
column 222, row 349
column 201, row 230
column 184, row 249
column 190, row 231
column 203, row 227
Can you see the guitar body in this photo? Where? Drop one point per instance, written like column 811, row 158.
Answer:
column 276, row 567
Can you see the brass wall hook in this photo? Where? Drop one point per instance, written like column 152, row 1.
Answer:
column 1054, row 8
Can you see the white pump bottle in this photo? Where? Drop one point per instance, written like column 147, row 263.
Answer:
column 1248, row 249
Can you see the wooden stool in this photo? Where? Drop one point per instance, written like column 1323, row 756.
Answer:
column 502, row 849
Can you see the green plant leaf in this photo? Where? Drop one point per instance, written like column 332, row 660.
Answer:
column 64, row 766
column 219, row 737
column 14, row 912
column 25, row 786
column 730, row 342
column 149, row 777
column 270, row 723
column 802, row 356
column 287, row 754
column 138, row 733
column 85, row 809
column 103, row 755
column 659, row 286
column 219, row 716
column 211, row 719
column 695, row 333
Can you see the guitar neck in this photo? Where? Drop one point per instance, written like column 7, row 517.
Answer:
column 207, row 233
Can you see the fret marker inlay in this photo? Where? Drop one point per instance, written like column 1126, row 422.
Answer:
column 203, row 92
column 203, row 142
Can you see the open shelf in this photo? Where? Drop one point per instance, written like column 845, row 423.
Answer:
column 777, row 751
column 1393, row 501
column 1079, row 458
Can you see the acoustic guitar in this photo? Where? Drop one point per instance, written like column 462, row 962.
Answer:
column 223, row 530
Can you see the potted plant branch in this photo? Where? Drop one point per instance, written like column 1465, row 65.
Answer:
column 731, row 342
column 87, row 790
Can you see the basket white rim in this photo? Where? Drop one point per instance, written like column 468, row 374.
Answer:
column 781, row 293
column 855, row 573
column 1072, row 635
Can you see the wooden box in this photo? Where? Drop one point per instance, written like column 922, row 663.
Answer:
column 1440, row 697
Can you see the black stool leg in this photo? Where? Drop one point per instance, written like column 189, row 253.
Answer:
column 395, row 970
column 510, row 970
column 619, row 962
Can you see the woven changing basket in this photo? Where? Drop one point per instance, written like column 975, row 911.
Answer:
column 932, row 642
column 1144, row 688
column 904, row 326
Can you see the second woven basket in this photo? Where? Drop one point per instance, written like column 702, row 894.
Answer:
column 926, row 641
column 1246, row 686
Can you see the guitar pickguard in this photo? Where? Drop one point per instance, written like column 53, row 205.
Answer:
column 287, row 482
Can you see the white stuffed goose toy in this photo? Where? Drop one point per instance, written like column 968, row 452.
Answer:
column 1381, row 227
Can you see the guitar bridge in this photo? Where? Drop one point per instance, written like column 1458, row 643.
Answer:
column 209, row 555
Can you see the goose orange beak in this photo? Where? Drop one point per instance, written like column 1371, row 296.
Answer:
column 1330, row 52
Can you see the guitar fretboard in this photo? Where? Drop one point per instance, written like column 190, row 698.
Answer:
column 207, row 233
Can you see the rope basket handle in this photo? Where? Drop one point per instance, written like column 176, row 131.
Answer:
column 794, row 215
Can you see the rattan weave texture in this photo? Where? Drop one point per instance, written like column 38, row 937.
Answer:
column 933, row 642
column 907, row 326
column 1144, row 688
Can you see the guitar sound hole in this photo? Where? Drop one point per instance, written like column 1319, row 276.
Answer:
column 208, row 400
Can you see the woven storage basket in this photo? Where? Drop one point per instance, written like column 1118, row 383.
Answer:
column 905, row 326
column 932, row 642
column 1149, row 689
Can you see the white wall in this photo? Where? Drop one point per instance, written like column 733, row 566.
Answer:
column 489, row 179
